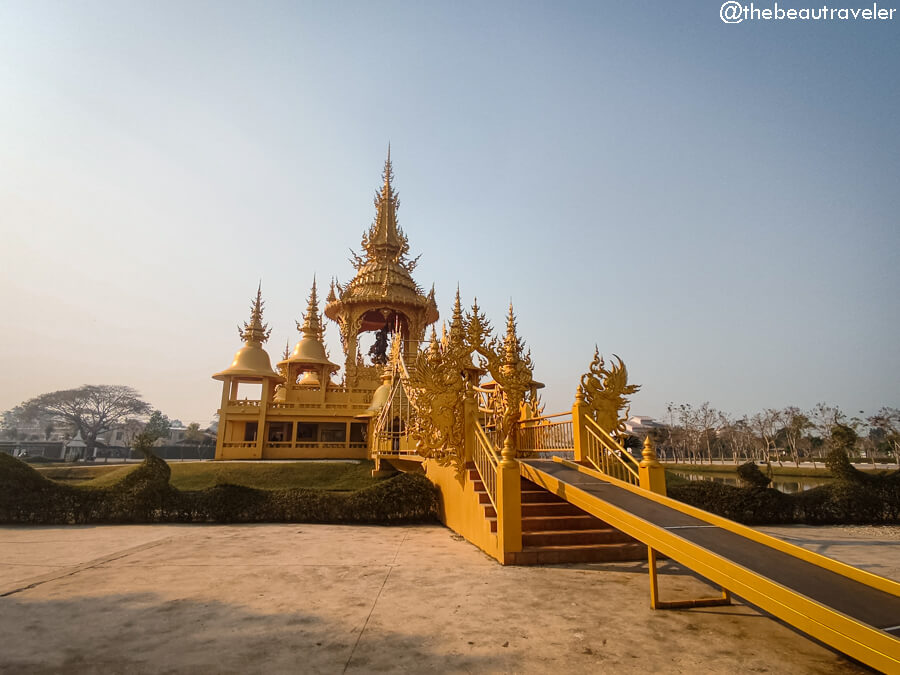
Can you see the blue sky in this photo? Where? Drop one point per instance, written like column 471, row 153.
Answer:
column 717, row 204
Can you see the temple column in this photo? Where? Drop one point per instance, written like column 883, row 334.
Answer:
column 223, row 417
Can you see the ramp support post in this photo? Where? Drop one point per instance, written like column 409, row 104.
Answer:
column 509, row 500
column 651, row 473
column 579, row 433
column 656, row 603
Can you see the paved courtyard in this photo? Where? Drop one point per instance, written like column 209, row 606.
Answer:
column 333, row 599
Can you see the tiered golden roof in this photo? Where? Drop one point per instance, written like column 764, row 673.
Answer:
column 310, row 349
column 251, row 360
column 384, row 272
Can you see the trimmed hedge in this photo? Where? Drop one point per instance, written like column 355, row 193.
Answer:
column 855, row 498
column 145, row 496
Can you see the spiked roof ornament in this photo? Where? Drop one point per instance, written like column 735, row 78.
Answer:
column 512, row 346
column 255, row 332
column 478, row 329
column 251, row 361
column 434, row 347
column 385, row 238
column 312, row 326
column 310, row 350
column 457, row 323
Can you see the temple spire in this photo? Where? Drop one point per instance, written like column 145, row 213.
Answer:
column 457, row 324
column 384, row 238
column 311, row 327
column 255, row 332
column 512, row 346
column 388, row 173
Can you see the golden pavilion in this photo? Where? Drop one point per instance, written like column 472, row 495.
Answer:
column 300, row 411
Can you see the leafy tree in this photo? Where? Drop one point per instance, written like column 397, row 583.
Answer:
column 843, row 442
column 632, row 442
column 157, row 427
column 886, row 422
column 91, row 409
column 192, row 433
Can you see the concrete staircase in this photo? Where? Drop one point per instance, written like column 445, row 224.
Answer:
column 555, row 531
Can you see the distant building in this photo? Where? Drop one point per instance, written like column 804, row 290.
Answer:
column 641, row 425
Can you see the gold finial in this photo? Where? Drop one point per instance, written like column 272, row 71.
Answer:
column 255, row 332
column 579, row 394
column 332, row 296
column 478, row 327
column 649, row 453
column 434, row 348
column 287, row 350
column 457, row 323
column 511, row 344
column 312, row 327
column 508, row 454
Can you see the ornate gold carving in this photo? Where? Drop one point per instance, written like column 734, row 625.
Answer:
column 443, row 376
column 437, row 389
column 605, row 391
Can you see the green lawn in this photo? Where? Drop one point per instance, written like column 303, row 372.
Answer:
column 732, row 468
column 72, row 474
column 200, row 475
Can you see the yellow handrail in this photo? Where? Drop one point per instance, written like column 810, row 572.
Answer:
column 545, row 437
column 608, row 456
column 486, row 462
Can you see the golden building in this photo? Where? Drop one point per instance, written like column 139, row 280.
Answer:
column 299, row 411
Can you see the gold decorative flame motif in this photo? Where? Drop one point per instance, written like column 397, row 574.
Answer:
column 605, row 391
column 443, row 377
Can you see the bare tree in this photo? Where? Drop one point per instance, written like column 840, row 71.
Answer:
column 706, row 419
column 765, row 424
column 824, row 417
column 737, row 435
column 796, row 423
column 91, row 409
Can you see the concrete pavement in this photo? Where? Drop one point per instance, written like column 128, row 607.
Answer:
column 333, row 599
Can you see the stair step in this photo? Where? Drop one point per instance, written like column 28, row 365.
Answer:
column 550, row 509
column 550, row 555
column 545, row 523
column 575, row 537
column 540, row 496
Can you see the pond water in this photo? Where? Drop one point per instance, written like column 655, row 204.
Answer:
column 786, row 484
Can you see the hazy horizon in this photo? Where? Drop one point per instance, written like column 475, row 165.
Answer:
column 717, row 204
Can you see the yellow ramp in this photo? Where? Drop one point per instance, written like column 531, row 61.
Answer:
column 847, row 608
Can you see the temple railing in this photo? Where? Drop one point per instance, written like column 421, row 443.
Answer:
column 390, row 435
column 607, row 455
column 545, row 434
column 244, row 403
column 486, row 460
